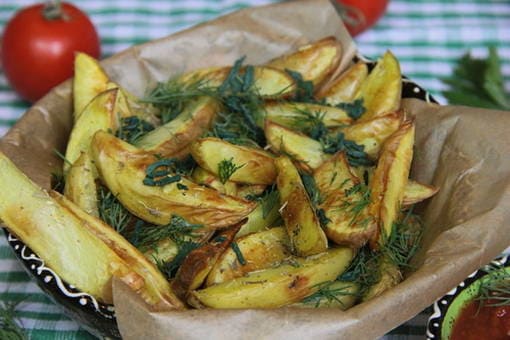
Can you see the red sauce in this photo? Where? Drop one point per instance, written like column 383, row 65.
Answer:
column 477, row 322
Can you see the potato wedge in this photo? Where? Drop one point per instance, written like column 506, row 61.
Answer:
column 256, row 165
column 315, row 61
column 372, row 133
column 260, row 250
column 307, row 151
column 345, row 87
column 389, row 181
column 345, row 203
column 302, row 225
column 99, row 114
column 302, row 116
column 277, row 286
column 382, row 90
column 335, row 294
column 199, row 262
column 170, row 138
column 416, row 192
column 80, row 186
column 89, row 80
column 84, row 251
column 122, row 168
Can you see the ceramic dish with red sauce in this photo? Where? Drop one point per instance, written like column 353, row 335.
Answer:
column 478, row 308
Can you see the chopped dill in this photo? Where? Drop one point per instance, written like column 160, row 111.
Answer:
column 178, row 229
column 404, row 240
column 10, row 328
column 181, row 186
column 133, row 128
column 328, row 294
column 363, row 270
column 494, row 290
column 226, row 168
column 62, row 156
column 239, row 254
column 112, row 212
column 311, row 123
column 304, row 88
column 355, row 154
column 311, row 189
column 354, row 109
column 168, row 170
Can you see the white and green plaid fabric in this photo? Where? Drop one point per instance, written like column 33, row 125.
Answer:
column 427, row 36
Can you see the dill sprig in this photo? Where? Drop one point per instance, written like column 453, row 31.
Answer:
column 310, row 122
column 363, row 270
column 168, row 170
column 10, row 328
column 112, row 212
column 239, row 254
column 354, row 109
column 304, row 88
column 178, row 229
column 133, row 128
column 169, row 268
column 404, row 240
column 328, row 293
column 58, row 182
column 315, row 197
column 226, row 168
column 355, row 207
column 171, row 97
column 494, row 290
column 356, row 156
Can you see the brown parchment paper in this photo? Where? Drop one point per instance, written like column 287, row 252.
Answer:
column 462, row 150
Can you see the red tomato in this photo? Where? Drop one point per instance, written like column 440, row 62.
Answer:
column 38, row 53
column 359, row 15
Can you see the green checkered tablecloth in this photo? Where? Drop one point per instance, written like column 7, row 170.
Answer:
column 426, row 36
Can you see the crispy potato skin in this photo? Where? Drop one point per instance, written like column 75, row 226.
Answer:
column 80, row 186
column 275, row 287
column 199, row 262
column 316, row 61
column 302, row 225
column 169, row 139
column 382, row 90
column 345, row 87
column 257, row 165
column 372, row 133
column 416, row 192
column 122, row 168
column 260, row 250
column 99, row 114
column 89, row 81
column 307, row 151
column 389, row 181
column 346, row 227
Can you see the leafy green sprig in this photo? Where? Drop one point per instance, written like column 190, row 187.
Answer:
column 133, row 128
column 168, row 170
column 10, row 328
column 226, row 168
column 355, row 109
column 494, row 290
column 356, row 156
column 112, row 212
column 327, row 294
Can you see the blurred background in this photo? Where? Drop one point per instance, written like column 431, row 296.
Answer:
column 427, row 36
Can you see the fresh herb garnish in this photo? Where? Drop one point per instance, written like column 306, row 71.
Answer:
column 168, row 170
column 58, row 182
column 112, row 212
column 494, row 290
column 354, row 109
column 226, row 169
column 304, row 88
column 478, row 82
column 404, row 240
column 178, row 229
column 10, row 329
column 169, row 269
column 354, row 207
column 133, row 128
column 356, row 156
column 363, row 270
column 311, row 188
column 239, row 254
column 328, row 293
column 310, row 122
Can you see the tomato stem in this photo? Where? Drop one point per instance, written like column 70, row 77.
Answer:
column 52, row 10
